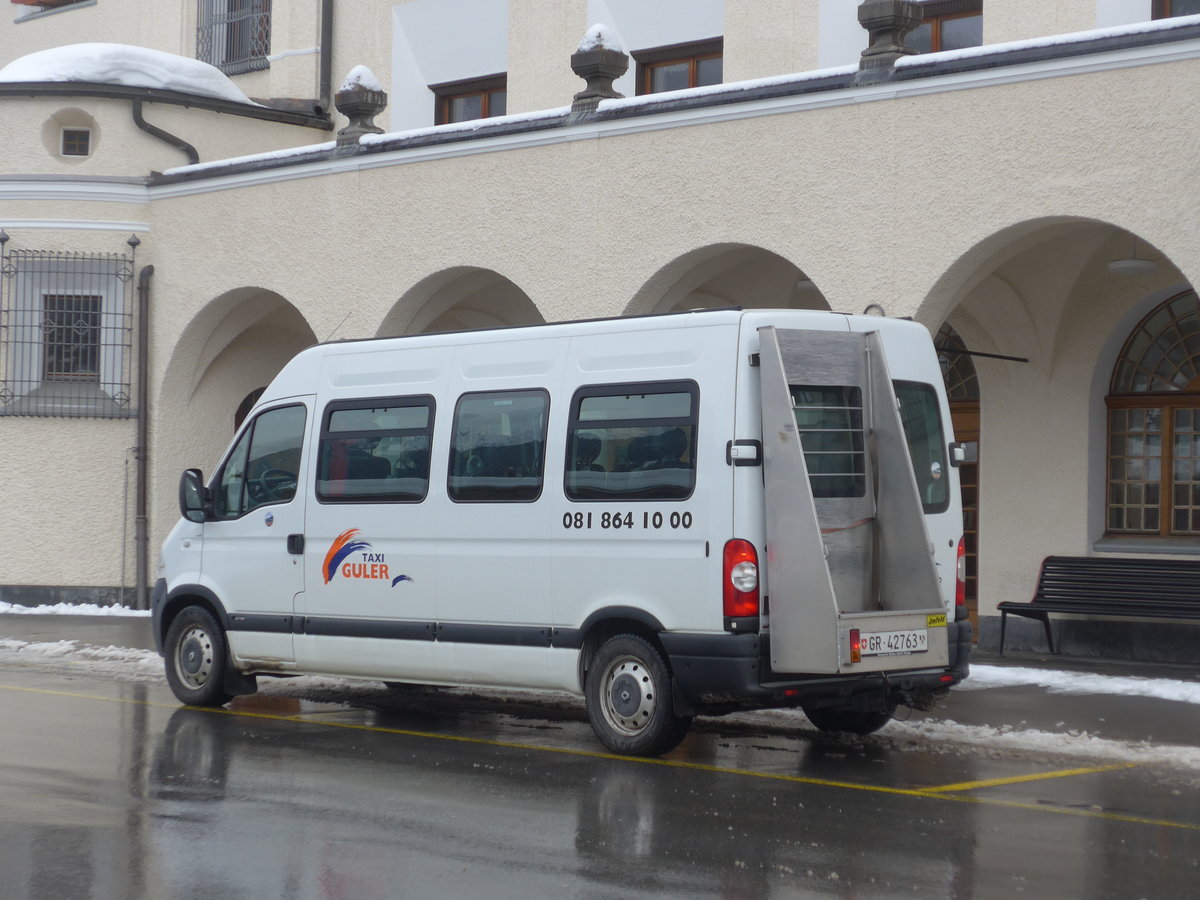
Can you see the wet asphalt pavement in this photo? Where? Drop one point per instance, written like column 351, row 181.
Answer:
column 109, row 789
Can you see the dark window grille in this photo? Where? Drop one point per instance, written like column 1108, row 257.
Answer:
column 234, row 35
column 76, row 142
column 66, row 334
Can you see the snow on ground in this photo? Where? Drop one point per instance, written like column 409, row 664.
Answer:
column 940, row 735
column 71, row 609
column 104, row 63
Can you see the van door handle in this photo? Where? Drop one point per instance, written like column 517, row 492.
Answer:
column 296, row 544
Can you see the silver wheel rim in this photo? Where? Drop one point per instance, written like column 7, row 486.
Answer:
column 628, row 695
column 194, row 657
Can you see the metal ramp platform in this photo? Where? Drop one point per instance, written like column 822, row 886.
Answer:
column 853, row 586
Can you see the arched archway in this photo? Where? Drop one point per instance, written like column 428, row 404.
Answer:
column 459, row 299
column 727, row 275
column 235, row 344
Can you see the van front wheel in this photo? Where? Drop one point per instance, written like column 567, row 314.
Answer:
column 195, row 658
column 628, row 694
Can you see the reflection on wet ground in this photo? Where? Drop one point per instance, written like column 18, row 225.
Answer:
column 111, row 790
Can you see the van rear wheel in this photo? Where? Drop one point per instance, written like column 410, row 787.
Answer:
column 852, row 721
column 195, row 655
column 628, row 695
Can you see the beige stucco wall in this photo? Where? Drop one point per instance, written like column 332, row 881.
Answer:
column 789, row 45
column 1003, row 223
column 1016, row 20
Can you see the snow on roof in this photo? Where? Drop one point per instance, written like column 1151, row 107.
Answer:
column 100, row 63
column 1053, row 40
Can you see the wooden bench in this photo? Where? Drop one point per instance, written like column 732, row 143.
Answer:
column 1109, row 586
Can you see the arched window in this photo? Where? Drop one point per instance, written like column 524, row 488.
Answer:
column 1154, row 425
column 962, row 383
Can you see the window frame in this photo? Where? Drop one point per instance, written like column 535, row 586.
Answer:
column 456, row 494
column 92, row 347
column 1168, row 402
column 937, row 12
column 220, row 43
column 411, row 401
column 445, row 93
column 244, row 444
column 1162, row 10
column 63, row 142
column 691, row 52
column 576, row 424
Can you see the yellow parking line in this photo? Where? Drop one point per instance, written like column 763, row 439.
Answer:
column 1018, row 779
column 941, row 793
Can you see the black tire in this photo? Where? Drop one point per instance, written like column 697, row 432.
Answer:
column 195, row 654
column 628, row 694
column 851, row 721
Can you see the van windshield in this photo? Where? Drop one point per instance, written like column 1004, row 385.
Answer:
column 926, row 442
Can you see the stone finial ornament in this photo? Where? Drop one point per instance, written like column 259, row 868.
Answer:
column 887, row 22
column 360, row 99
column 599, row 60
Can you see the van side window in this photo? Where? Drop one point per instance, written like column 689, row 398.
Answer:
column 926, row 443
column 829, row 420
column 375, row 450
column 498, row 449
column 264, row 465
column 632, row 442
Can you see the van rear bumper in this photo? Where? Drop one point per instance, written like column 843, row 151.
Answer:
column 718, row 673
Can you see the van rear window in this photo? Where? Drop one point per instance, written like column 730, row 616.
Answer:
column 375, row 450
column 926, row 442
column 632, row 442
column 829, row 420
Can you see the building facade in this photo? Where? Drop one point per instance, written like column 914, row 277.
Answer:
column 174, row 232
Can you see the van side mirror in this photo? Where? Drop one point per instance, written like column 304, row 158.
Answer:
column 192, row 498
column 958, row 454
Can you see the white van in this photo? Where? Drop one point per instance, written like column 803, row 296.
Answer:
column 668, row 515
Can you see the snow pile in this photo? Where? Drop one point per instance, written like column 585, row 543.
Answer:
column 600, row 37
column 101, row 63
column 361, row 76
column 70, row 609
column 1058, row 682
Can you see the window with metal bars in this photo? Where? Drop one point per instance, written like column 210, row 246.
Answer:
column 66, row 334
column 234, row 35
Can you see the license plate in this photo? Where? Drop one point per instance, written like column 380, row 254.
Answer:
column 894, row 643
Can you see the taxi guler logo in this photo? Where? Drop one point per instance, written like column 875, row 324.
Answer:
column 370, row 566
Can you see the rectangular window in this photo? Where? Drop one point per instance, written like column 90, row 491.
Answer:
column 375, row 450
column 1135, row 470
column 475, row 98
column 68, row 326
column 680, row 66
column 76, row 142
column 1167, row 9
column 948, row 25
column 234, row 35
column 264, row 465
column 633, row 442
column 71, row 338
column 830, row 424
column 499, row 446
column 926, row 442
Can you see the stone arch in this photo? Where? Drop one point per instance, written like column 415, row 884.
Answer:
column 460, row 298
column 727, row 274
column 235, row 344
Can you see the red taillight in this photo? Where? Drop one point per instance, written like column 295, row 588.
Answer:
column 960, row 576
column 740, row 581
column 855, row 645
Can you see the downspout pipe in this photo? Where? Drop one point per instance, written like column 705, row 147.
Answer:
column 325, row 95
column 141, row 535
column 154, row 131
